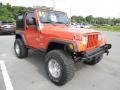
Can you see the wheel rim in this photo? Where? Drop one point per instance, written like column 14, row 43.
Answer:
column 17, row 49
column 54, row 68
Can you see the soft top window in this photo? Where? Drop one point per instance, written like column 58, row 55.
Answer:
column 20, row 22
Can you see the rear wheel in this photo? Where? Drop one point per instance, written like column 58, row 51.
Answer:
column 59, row 67
column 20, row 49
column 94, row 60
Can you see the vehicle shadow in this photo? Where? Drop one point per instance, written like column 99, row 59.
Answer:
column 38, row 60
column 80, row 66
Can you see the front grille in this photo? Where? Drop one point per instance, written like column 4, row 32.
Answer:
column 92, row 41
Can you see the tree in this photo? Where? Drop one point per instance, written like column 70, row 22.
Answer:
column 90, row 19
column 73, row 19
column 116, row 21
column 81, row 19
column 8, row 12
column 77, row 19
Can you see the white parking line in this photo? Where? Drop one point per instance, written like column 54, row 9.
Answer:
column 6, row 77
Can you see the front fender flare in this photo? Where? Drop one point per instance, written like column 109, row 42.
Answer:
column 65, row 42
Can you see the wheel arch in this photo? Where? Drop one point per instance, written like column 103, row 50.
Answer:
column 60, row 44
column 21, row 36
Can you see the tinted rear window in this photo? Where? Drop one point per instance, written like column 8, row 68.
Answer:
column 20, row 22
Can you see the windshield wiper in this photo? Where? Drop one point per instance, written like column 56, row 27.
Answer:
column 50, row 22
column 56, row 22
column 62, row 23
column 45, row 22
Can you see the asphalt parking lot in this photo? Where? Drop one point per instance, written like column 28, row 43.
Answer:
column 29, row 73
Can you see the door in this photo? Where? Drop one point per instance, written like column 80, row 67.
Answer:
column 32, row 34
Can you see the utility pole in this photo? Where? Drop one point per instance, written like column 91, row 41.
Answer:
column 54, row 4
column 42, row 1
column 70, row 14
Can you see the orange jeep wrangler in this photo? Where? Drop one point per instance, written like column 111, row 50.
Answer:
column 49, row 31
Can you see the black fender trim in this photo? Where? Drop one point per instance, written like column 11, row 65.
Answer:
column 65, row 42
column 22, row 37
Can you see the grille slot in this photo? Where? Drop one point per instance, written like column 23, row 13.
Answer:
column 92, row 40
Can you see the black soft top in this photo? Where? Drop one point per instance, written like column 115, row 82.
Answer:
column 43, row 10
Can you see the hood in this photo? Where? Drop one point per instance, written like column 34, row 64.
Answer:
column 81, row 30
column 66, row 32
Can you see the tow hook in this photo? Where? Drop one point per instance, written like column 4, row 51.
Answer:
column 108, row 46
column 107, row 52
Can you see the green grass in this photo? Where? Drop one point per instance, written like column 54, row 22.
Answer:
column 106, row 28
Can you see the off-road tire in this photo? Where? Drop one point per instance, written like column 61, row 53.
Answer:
column 66, row 63
column 23, row 50
column 94, row 61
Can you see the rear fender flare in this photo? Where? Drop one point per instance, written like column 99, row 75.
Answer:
column 21, row 36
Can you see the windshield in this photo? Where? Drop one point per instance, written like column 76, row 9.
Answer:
column 53, row 17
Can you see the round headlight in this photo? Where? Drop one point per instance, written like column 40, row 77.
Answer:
column 99, row 37
column 84, row 40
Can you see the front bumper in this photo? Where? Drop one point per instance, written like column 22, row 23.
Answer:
column 94, row 53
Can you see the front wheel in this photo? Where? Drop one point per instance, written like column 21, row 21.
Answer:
column 59, row 67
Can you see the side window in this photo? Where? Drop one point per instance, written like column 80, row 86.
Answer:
column 20, row 22
column 31, row 19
